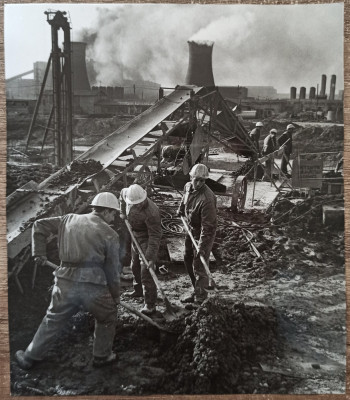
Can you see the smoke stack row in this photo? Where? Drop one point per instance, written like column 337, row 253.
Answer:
column 200, row 70
column 312, row 95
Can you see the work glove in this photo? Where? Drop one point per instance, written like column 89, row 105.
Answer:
column 122, row 216
column 40, row 260
column 151, row 265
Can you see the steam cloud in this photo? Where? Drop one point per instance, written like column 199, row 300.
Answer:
column 282, row 46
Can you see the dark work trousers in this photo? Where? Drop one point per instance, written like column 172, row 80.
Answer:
column 143, row 281
column 195, row 268
column 284, row 162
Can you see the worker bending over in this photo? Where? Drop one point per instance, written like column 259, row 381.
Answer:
column 198, row 205
column 144, row 218
column 88, row 276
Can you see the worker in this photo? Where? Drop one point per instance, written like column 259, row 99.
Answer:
column 286, row 141
column 144, row 217
column 88, row 277
column 198, row 205
column 255, row 136
column 270, row 145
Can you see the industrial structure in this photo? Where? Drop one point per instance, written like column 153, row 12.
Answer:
column 194, row 115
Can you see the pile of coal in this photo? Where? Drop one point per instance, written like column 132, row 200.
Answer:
column 17, row 176
column 76, row 172
column 218, row 338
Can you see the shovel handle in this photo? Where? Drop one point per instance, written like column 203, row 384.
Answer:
column 139, row 314
column 153, row 274
column 50, row 264
column 204, row 262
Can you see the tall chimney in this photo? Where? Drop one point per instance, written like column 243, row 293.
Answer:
column 293, row 92
column 80, row 76
column 312, row 94
column 200, row 71
column 332, row 87
column 323, row 86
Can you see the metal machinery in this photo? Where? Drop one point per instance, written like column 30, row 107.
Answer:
column 61, row 112
column 193, row 114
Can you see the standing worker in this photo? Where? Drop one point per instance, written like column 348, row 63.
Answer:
column 144, row 218
column 255, row 136
column 286, row 140
column 88, row 276
column 270, row 145
column 198, row 205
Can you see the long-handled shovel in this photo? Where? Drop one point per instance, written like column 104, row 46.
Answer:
column 172, row 312
column 212, row 284
column 126, row 306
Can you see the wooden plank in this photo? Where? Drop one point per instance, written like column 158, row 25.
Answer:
column 176, row 248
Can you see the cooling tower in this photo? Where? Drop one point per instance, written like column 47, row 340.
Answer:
column 302, row 93
column 312, row 94
column 293, row 92
column 80, row 76
column 200, row 71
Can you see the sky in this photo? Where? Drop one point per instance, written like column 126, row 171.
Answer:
column 263, row 45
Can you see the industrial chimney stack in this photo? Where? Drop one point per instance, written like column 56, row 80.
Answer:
column 80, row 76
column 200, row 71
column 332, row 87
column 323, row 86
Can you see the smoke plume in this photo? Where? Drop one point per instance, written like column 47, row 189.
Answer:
column 282, row 46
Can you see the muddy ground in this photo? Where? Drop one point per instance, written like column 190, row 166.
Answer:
column 277, row 325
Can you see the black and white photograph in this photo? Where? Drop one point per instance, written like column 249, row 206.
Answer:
column 175, row 199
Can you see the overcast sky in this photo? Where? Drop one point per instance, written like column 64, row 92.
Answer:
column 279, row 45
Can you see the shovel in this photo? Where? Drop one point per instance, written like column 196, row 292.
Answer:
column 127, row 306
column 172, row 312
column 212, row 284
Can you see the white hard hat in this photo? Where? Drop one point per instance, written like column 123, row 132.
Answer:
column 273, row 130
column 290, row 126
column 135, row 194
column 107, row 200
column 259, row 124
column 199, row 171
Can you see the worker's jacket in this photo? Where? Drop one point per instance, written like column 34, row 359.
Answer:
column 286, row 137
column 255, row 136
column 145, row 223
column 199, row 207
column 270, row 145
column 87, row 246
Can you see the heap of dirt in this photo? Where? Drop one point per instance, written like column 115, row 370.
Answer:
column 76, row 172
column 218, row 340
column 17, row 176
column 292, row 234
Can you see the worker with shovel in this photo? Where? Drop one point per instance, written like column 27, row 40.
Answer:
column 144, row 218
column 88, row 276
column 198, row 206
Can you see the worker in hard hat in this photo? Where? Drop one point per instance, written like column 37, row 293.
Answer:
column 144, row 217
column 286, row 140
column 270, row 145
column 198, row 205
column 255, row 136
column 88, row 277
